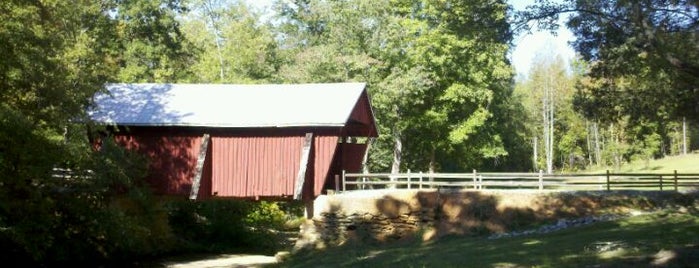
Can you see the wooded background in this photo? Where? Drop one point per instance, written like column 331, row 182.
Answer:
column 438, row 73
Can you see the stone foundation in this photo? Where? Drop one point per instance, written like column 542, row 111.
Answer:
column 393, row 215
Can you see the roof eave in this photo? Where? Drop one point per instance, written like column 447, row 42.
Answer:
column 222, row 125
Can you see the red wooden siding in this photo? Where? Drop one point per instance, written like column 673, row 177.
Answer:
column 250, row 162
column 268, row 166
column 248, row 156
column 361, row 121
column 347, row 157
column 352, row 156
column 324, row 150
column 242, row 166
column 172, row 159
column 255, row 166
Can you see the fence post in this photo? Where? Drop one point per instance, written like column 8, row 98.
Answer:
column 541, row 180
column 480, row 181
column 661, row 182
column 409, row 179
column 337, row 183
column 475, row 186
column 420, row 187
column 608, row 188
column 344, row 180
column 364, row 186
column 676, row 180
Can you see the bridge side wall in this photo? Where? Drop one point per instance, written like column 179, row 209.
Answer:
column 381, row 216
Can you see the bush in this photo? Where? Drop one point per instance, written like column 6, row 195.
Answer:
column 47, row 219
column 225, row 225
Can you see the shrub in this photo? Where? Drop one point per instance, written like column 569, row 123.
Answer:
column 224, row 225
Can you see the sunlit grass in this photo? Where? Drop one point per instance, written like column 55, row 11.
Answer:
column 628, row 242
column 682, row 163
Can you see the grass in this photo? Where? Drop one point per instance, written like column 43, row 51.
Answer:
column 682, row 163
column 631, row 242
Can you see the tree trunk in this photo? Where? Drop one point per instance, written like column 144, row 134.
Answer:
column 397, row 153
column 548, row 114
column 598, row 157
column 549, row 167
column 535, row 157
column 209, row 9
column 365, row 159
column 433, row 161
column 589, row 146
column 615, row 151
column 684, row 135
column 545, row 127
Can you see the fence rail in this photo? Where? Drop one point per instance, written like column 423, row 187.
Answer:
column 492, row 180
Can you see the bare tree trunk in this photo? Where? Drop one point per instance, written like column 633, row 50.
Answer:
column 433, row 160
column 615, row 152
column 535, row 157
column 598, row 157
column 365, row 159
column 548, row 114
column 684, row 135
column 589, row 146
column 397, row 154
column 545, row 127
column 549, row 167
column 209, row 9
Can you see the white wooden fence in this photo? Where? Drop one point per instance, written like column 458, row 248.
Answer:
column 490, row 180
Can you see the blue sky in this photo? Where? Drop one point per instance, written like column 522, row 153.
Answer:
column 526, row 46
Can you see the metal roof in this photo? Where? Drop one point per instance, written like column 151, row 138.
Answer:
column 226, row 105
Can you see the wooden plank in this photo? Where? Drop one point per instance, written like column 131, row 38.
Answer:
column 196, row 181
column 532, row 180
column 541, row 180
column 675, row 180
column 301, row 176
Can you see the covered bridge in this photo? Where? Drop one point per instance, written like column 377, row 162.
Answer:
column 206, row 140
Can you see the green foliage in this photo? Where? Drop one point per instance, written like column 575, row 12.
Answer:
column 548, row 81
column 437, row 78
column 58, row 55
column 150, row 44
column 640, row 72
column 47, row 219
column 640, row 40
column 224, row 225
column 232, row 46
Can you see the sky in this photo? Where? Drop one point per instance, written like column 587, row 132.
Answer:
column 539, row 42
column 526, row 46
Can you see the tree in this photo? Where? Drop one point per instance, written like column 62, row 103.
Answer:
column 149, row 41
column 57, row 55
column 641, row 76
column 548, row 94
column 438, row 79
column 637, row 40
column 232, row 46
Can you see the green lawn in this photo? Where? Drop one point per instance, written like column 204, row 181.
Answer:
column 631, row 242
column 682, row 163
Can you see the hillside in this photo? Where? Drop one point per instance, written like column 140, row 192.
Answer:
column 659, row 233
column 682, row 163
column 664, row 239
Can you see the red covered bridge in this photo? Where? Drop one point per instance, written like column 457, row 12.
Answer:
column 208, row 140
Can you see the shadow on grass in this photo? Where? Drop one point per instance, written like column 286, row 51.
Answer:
column 641, row 241
column 459, row 220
